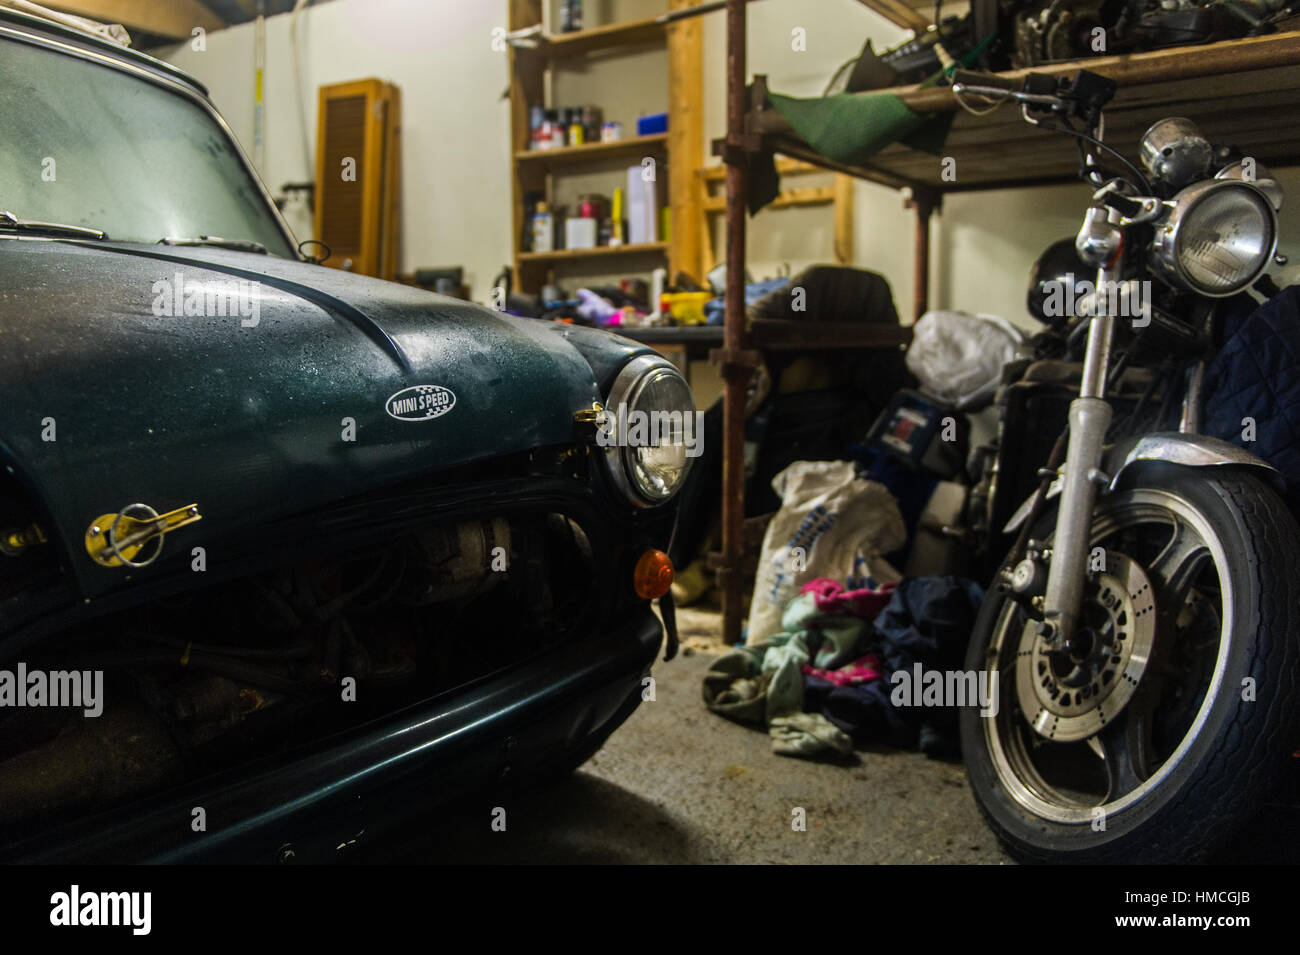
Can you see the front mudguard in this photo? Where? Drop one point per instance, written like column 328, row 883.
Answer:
column 1127, row 459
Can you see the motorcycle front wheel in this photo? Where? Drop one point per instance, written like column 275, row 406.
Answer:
column 1173, row 711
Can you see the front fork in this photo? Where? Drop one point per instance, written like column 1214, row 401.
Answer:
column 1089, row 419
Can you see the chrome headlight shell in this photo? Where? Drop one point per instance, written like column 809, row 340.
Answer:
column 650, row 432
column 1217, row 239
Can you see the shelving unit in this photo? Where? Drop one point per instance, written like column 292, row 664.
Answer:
column 1245, row 91
column 681, row 148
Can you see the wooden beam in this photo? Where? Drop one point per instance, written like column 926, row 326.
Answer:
column 173, row 20
column 1224, row 58
column 685, row 142
column 778, row 334
column 629, row 33
column 527, row 89
column 843, row 199
column 899, row 14
column 789, row 198
column 784, row 167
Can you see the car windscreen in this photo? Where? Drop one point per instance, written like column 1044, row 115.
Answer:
column 90, row 145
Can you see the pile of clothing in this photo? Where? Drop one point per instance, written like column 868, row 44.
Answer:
column 824, row 683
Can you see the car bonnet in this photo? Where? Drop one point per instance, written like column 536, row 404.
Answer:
column 121, row 383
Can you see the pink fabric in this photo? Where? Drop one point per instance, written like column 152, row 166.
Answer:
column 831, row 598
column 863, row 670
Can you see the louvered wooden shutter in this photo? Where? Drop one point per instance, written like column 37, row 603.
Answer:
column 358, row 218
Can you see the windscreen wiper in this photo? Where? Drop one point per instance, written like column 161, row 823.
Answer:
column 216, row 242
column 10, row 221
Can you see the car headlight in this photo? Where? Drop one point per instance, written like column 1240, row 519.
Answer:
column 1217, row 239
column 650, row 434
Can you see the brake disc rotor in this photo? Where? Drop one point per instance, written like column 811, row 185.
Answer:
column 1071, row 694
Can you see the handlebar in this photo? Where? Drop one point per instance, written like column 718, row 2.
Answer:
column 991, row 80
column 1083, row 96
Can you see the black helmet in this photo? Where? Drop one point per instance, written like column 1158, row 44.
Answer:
column 1054, row 282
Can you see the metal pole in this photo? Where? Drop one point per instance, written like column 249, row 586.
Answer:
column 736, row 375
column 921, row 256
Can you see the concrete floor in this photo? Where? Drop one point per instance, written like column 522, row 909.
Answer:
column 678, row 784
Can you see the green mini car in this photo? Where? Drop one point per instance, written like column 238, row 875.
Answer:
column 300, row 548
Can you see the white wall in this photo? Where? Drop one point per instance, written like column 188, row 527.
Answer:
column 456, row 167
column 455, row 146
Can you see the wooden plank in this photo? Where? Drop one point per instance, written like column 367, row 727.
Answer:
column 788, row 198
column 685, row 142
column 629, row 33
column 174, row 20
column 774, row 334
column 527, row 69
column 1227, row 57
column 600, row 252
column 899, row 13
column 675, row 334
column 843, row 192
column 784, row 167
column 594, row 152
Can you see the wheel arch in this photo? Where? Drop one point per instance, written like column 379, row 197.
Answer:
column 1128, row 459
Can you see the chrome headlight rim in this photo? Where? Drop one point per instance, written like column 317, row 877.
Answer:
column 1165, row 259
column 631, row 382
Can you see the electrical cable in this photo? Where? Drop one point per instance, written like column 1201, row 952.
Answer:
column 1141, row 180
column 961, row 101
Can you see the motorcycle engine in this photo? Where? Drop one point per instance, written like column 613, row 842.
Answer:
column 1071, row 29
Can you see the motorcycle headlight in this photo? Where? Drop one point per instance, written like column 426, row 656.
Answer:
column 1217, row 239
column 650, row 435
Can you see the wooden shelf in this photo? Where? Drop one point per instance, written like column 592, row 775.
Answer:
column 1244, row 91
column 534, row 62
column 600, row 252
column 630, row 33
column 774, row 335
column 594, row 152
column 673, row 334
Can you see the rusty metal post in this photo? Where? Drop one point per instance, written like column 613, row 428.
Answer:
column 924, row 203
column 735, row 373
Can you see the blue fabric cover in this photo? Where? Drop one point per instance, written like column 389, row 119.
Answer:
column 1256, row 375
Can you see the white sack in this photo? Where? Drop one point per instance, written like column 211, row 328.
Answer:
column 831, row 524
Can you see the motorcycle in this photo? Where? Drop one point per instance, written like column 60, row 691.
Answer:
column 1141, row 626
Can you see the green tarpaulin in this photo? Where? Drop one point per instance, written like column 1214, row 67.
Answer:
column 848, row 128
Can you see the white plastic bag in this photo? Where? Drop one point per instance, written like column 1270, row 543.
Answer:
column 954, row 354
column 831, row 524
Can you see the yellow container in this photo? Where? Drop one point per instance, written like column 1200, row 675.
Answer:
column 686, row 308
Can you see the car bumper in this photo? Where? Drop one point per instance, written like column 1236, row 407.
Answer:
column 316, row 803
